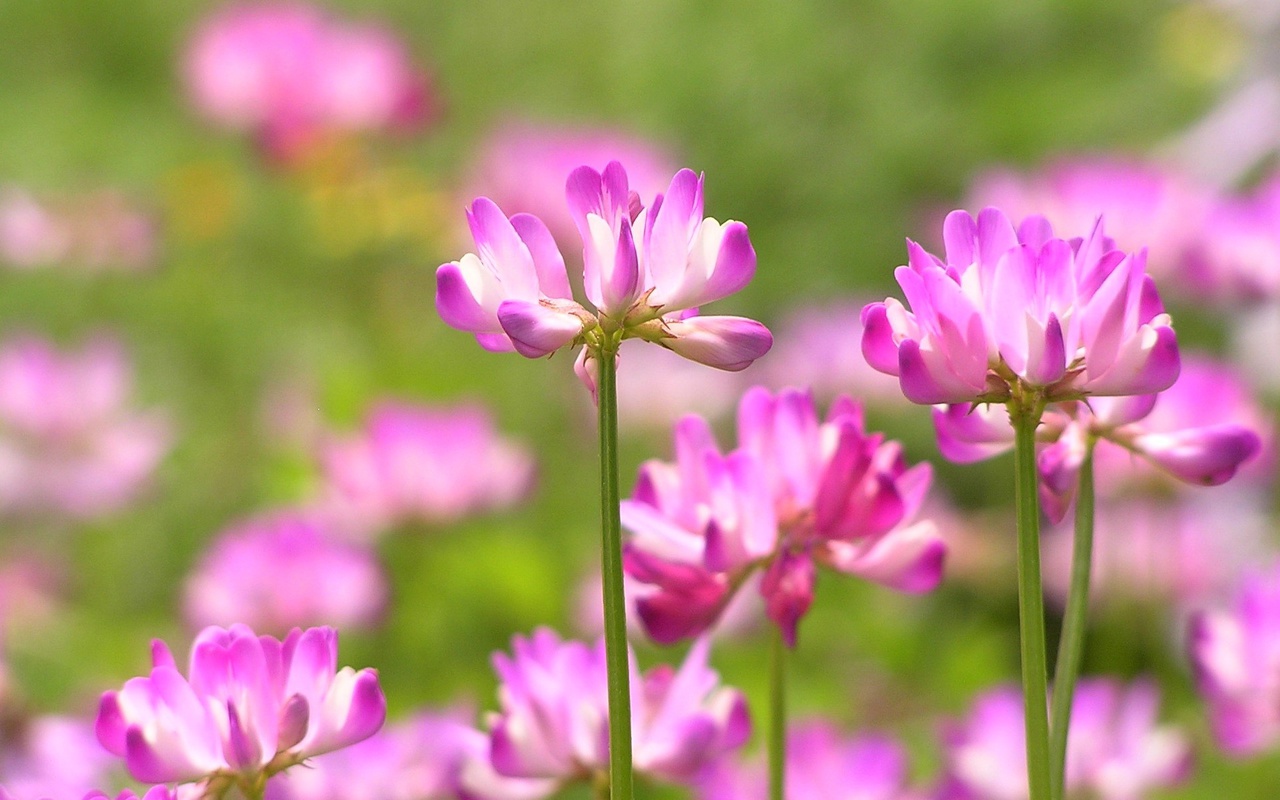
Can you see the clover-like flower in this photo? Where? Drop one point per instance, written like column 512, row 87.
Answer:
column 249, row 707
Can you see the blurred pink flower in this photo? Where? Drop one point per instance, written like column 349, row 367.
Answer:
column 1163, row 551
column 285, row 570
column 687, row 388
column 1065, row 318
column 1115, row 750
column 553, row 722
column 1145, row 204
column 53, row 757
column 96, row 232
column 250, row 706
column 1235, row 652
column 645, row 272
column 740, row 615
column 798, row 491
column 288, row 72
column 522, row 168
column 414, row 462
column 69, row 443
column 821, row 765
column 1237, row 259
column 429, row 756
column 820, row 346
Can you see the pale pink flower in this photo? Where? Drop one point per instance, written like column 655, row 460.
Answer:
column 1067, row 319
column 99, row 231
column 1115, row 750
column 554, row 719
column 249, row 705
column 53, row 757
column 820, row 346
column 285, row 570
column 1237, row 258
column 415, row 462
column 69, row 442
column 288, row 73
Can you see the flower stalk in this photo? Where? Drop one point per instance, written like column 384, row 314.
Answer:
column 1071, row 644
column 777, row 715
column 615, row 614
column 1024, row 414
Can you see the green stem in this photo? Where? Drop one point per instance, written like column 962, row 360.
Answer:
column 777, row 715
column 1031, row 597
column 1071, row 645
column 615, row 610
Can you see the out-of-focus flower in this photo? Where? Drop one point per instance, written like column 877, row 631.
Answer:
column 289, row 73
column 160, row 792
column 554, row 717
column 1145, row 204
column 687, row 388
column 249, row 707
column 797, row 492
column 821, row 765
column 1199, row 431
column 741, row 614
column 414, row 462
column 646, row 270
column 1236, row 655
column 522, row 168
column 53, row 757
column 69, row 443
column 821, row 347
column 1254, row 333
column 1115, row 750
column 282, row 571
column 1164, row 551
column 430, row 756
column 1237, row 259
column 1021, row 310
column 97, row 232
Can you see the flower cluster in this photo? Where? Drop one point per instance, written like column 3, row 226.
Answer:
column 798, row 491
column 249, row 706
column 1090, row 322
column 1115, row 750
column 69, row 443
column 646, row 269
column 289, row 73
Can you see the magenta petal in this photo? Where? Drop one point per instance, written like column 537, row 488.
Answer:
column 368, row 709
column 728, row 343
column 1051, row 364
column 920, row 385
column 145, row 764
column 909, row 559
column 735, row 264
column 111, row 725
column 537, row 330
column 1059, row 467
column 787, row 587
column 1156, row 370
column 620, row 291
column 878, row 347
column 1205, row 456
column 495, row 342
column 967, row 434
column 456, row 304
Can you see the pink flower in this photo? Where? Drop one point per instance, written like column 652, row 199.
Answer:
column 1237, row 259
column 249, row 706
column 430, row 756
column 285, row 570
column 522, row 166
column 96, row 232
column 646, row 269
column 53, row 757
column 821, row 765
column 69, row 443
column 288, row 72
column 1145, row 204
column 1235, row 652
column 31, row 234
column 1200, row 431
column 1115, row 750
column 797, row 492
column 554, row 717
column 416, row 462
column 1067, row 319
column 1164, row 551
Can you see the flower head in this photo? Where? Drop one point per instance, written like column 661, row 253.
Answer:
column 283, row 571
column 249, row 707
column 646, row 269
column 554, row 717
column 1018, row 310
column 798, row 491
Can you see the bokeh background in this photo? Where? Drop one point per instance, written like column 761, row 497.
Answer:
column 284, row 299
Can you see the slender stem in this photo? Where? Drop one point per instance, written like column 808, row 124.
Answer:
column 615, row 610
column 777, row 715
column 1071, row 645
column 1025, row 418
